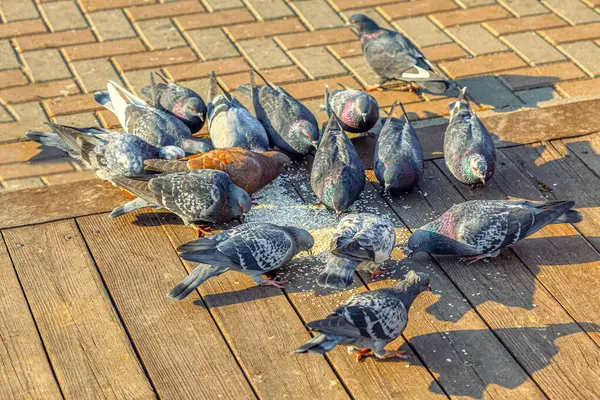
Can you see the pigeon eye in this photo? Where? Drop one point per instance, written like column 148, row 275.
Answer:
column 308, row 137
column 475, row 169
column 192, row 108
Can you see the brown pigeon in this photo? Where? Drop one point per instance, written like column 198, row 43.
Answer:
column 247, row 169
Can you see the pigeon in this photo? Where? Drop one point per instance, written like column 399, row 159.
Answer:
column 362, row 240
column 195, row 196
column 247, row 169
column 398, row 158
column 230, row 124
column 109, row 154
column 479, row 229
column 468, row 148
column 155, row 126
column 253, row 248
column 337, row 176
column 178, row 100
column 393, row 57
column 368, row 321
column 289, row 124
column 357, row 111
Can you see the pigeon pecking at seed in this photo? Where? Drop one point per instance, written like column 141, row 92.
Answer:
column 289, row 124
column 362, row 240
column 393, row 57
column 250, row 170
column 469, row 150
column 230, row 124
column 479, row 229
column 178, row 100
column 398, row 158
column 368, row 321
column 356, row 110
column 253, row 248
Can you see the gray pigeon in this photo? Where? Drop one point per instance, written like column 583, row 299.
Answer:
column 398, row 158
column 393, row 57
column 155, row 126
column 368, row 321
column 469, row 150
column 362, row 240
column 479, row 229
column 357, row 111
column 178, row 100
column 230, row 124
column 289, row 124
column 109, row 154
column 196, row 196
column 253, row 249
column 337, row 176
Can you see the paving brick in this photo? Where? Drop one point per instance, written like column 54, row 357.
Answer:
column 573, row 33
column 539, row 97
column 479, row 14
column 29, row 115
column 15, row 10
column 359, row 68
column 482, row 64
column 344, row 50
column 106, row 49
column 412, row 9
column 150, row 11
column 64, row 15
column 25, row 169
column 12, row 77
column 21, row 94
column 312, row 89
column 23, row 183
column 138, row 79
column 112, row 24
column 200, row 86
column 202, row 69
column 82, row 119
column 317, row 62
column 581, row 88
column 154, row 59
column 5, row 116
column 586, row 55
column 533, row 48
column 341, row 5
column 422, row 31
column 264, row 53
column 524, row 8
column 69, row 177
column 574, row 11
column 27, row 151
column 533, row 23
column 71, row 105
column 317, row 14
column 96, row 5
column 216, row 19
column 476, row 39
column 213, row 44
column 108, row 119
column 94, row 74
column 13, row 29
column 443, row 52
column 270, row 9
column 8, row 57
column 546, row 75
column 316, row 38
column 224, row 4
column 161, row 33
column 489, row 91
column 425, row 109
column 265, row 28
column 46, row 65
column 476, row 3
column 58, row 39
column 276, row 76
column 387, row 97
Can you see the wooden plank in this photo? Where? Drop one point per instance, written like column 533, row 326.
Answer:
column 182, row 349
column 25, row 372
column 587, row 149
column 33, row 206
column 88, row 348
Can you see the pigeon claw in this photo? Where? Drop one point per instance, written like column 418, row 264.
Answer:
column 376, row 87
column 202, row 230
column 378, row 272
column 362, row 354
column 473, row 259
column 401, row 354
column 277, row 284
column 411, row 87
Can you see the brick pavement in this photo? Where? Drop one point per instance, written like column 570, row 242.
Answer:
column 54, row 54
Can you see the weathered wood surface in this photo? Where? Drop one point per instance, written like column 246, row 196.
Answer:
column 180, row 346
column 86, row 343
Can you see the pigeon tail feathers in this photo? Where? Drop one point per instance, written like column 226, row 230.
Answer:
column 320, row 344
column 338, row 273
column 196, row 278
column 129, row 207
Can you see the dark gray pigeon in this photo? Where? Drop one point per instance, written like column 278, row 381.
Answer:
column 357, row 111
column 196, row 196
column 362, row 240
column 368, row 321
column 155, row 126
column 289, row 124
column 337, row 176
column 178, row 100
column 393, row 57
column 398, row 158
column 479, row 229
column 469, row 150
column 109, row 154
column 230, row 124
column 253, row 249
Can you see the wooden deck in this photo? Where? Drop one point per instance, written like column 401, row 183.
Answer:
column 84, row 311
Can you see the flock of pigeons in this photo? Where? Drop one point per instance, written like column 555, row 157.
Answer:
column 210, row 181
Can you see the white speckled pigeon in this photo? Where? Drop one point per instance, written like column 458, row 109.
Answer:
column 195, row 196
column 289, row 124
column 109, row 154
column 479, row 229
column 368, row 321
column 253, row 249
column 155, row 126
column 393, row 57
column 398, row 158
column 469, row 150
column 365, row 241
column 337, row 176
column 230, row 124
column 178, row 100
column 357, row 111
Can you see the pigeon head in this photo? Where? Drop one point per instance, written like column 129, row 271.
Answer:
column 420, row 242
column 363, row 23
column 363, row 106
column 340, row 198
column 475, row 168
column 192, row 146
column 392, row 176
column 412, row 284
column 240, row 202
column 193, row 108
column 307, row 133
column 170, row 152
column 304, row 239
column 282, row 160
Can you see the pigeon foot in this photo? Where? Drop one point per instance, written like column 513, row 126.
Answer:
column 411, row 87
column 273, row 282
column 373, row 88
column 379, row 271
column 202, row 230
column 474, row 259
column 362, row 354
column 401, row 354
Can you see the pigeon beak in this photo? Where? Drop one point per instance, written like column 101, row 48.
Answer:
column 286, row 167
column 411, row 253
column 363, row 116
column 386, row 189
column 199, row 115
column 483, row 181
